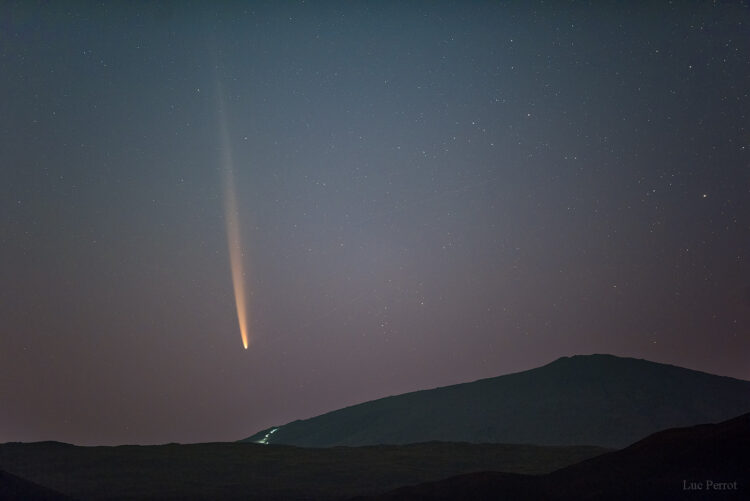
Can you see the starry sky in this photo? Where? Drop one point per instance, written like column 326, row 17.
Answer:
column 427, row 193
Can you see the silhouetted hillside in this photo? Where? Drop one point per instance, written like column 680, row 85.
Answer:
column 14, row 488
column 700, row 462
column 595, row 399
column 250, row 471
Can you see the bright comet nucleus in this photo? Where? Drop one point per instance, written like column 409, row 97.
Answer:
column 231, row 210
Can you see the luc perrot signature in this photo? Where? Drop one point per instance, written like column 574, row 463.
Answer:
column 708, row 485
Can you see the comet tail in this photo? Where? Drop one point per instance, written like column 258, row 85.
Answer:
column 231, row 210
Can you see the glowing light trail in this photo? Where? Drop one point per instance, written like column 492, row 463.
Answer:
column 267, row 437
column 234, row 240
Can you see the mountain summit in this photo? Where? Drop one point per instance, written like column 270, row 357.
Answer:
column 586, row 399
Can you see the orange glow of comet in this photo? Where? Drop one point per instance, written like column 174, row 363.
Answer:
column 234, row 240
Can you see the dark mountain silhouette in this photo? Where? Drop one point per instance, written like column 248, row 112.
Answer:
column 16, row 488
column 251, row 471
column 661, row 466
column 595, row 399
column 701, row 462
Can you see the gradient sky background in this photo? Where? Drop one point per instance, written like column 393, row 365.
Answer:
column 429, row 194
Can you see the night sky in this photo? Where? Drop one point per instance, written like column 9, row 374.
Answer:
column 427, row 193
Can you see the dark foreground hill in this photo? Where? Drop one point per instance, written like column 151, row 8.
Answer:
column 596, row 399
column 251, row 471
column 700, row 462
column 14, row 488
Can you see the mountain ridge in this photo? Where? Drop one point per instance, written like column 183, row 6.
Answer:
column 231, row 470
column 706, row 461
column 600, row 400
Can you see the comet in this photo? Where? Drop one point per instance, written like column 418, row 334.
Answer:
column 231, row 213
